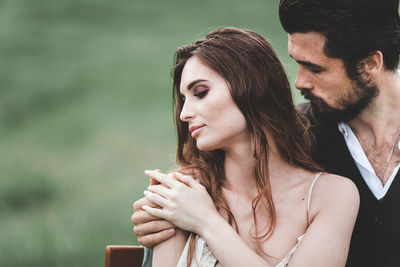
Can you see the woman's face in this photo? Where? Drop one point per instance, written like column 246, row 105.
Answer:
column 213, row 118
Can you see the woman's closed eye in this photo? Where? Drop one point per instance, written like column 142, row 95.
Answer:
column 200, row 91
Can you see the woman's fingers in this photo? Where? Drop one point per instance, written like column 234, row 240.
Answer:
column 155, row 198
column 161, row 177
column 160, row 190
column 186, row 179
column 153, row 181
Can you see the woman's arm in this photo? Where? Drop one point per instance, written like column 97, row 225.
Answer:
column 333, row 211
column 168, row 252
column 187, row 204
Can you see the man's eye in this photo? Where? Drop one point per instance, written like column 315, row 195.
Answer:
column 316, row 71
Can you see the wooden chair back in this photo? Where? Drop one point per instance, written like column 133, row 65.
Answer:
column 124, row 256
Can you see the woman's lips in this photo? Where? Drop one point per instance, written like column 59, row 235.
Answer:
column 195, row 130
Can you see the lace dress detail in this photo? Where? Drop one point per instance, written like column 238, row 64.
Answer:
column 287, row 258
column 203, row 256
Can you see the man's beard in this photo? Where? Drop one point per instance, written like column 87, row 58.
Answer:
column 352, row 103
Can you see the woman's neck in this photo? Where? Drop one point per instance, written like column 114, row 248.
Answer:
column 238, row 164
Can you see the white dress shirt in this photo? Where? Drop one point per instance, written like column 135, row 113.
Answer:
column 363, row 164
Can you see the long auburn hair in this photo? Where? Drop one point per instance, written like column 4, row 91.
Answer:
column 261, row 90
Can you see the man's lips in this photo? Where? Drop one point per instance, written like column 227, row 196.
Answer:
column 195, row 130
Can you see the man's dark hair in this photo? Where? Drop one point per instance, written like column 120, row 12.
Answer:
column 354, row 29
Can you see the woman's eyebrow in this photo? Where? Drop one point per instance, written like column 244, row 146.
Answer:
column 190, row 86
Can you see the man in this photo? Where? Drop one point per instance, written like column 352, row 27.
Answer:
column 347, row 53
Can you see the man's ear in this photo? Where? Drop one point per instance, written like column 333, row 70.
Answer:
column 374, row 63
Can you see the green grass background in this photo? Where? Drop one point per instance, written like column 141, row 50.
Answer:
column 85, row 108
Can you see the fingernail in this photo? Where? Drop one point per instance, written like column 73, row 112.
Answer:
column 145, row 192
column 145, row 207
column 147, row 171
column 178, row 174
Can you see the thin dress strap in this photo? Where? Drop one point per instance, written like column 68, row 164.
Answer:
column 311, row 189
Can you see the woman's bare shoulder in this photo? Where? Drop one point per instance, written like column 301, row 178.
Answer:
column 336, row 184
column 334, row 191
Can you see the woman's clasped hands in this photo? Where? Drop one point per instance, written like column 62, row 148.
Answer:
column 182, row 200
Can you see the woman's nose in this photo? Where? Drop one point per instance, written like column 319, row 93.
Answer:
column 187, row 111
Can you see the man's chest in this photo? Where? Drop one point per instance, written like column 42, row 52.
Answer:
column 383, row 159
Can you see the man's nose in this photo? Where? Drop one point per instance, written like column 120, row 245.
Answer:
column 303, row 81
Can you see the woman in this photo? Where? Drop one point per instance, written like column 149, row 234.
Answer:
column 247, row 192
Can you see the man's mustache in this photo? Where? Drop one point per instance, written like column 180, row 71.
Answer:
column 306, row 94
column 318, row 104
column 309, row 96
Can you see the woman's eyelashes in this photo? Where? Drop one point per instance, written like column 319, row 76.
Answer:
column 200, row 91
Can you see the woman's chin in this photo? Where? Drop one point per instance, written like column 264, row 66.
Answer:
column 202, row 146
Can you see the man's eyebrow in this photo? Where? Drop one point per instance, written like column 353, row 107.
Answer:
column 307, row 63
column 190, row 86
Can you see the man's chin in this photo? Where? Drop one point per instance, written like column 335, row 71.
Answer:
column 331, row 115
column 324, row 113
column 353, row 103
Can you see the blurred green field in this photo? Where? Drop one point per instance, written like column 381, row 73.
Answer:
column 85, row 108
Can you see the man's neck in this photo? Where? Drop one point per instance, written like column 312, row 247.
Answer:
column 381, row 119
column 377, row 127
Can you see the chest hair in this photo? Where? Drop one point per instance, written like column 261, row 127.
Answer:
column 379, row 155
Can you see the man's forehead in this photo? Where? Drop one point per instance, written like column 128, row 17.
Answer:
column 311, row 42
column 307, row 47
